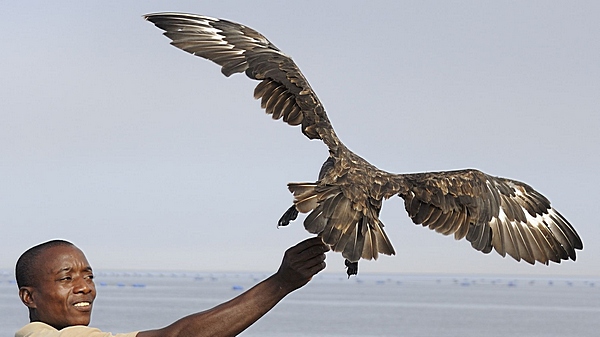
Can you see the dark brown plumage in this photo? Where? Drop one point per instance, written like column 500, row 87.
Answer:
column 344, row 203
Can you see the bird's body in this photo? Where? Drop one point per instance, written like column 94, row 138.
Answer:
column 344, row 203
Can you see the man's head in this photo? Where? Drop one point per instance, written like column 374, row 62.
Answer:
column 56, row 283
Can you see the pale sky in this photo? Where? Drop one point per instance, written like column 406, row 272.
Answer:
column 148, row 158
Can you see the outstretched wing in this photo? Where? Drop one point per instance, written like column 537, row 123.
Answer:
column 491, row 212
column 283, row 90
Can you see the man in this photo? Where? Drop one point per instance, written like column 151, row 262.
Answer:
column 56, row 283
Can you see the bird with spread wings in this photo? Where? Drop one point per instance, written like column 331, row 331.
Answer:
column 344, row 203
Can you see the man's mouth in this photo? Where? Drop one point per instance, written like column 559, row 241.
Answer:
column 82, row 304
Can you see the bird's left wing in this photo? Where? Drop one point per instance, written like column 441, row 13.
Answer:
column 491, row 212
column 283, row 90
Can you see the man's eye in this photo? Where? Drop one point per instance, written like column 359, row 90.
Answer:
column 66, row 278
column 91, row 277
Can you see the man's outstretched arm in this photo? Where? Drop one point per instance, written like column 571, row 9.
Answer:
column 300, row 263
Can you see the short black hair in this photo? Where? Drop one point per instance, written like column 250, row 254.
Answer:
column 25, row 270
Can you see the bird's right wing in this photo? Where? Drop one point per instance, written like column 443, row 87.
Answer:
column 491, row 212
column 283, row 90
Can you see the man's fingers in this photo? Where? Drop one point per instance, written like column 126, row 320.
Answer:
column 310, row 259
column 313, row 245
column 302, row 261
column 317, row 261
column 311, row 266
column 314, row 270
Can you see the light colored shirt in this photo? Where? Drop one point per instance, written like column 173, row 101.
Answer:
column 39, row 329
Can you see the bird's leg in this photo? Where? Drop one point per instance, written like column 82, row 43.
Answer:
column 351, row 268
column 292, row 213
column 327, row 165
column 289, row 215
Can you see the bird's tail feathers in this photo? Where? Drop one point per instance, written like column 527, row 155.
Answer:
column 356, row 234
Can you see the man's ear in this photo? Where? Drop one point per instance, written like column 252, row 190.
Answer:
column 26, row 295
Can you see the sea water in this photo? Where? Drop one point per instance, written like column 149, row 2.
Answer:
column 332, row 305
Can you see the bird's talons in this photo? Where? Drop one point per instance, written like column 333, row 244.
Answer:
column 290, row 215
column 351, row 268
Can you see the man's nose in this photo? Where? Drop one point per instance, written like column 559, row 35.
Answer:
column 83, row 285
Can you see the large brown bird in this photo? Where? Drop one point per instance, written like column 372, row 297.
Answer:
column 344, row 203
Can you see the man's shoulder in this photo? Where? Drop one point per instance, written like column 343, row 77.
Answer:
column 39, row 329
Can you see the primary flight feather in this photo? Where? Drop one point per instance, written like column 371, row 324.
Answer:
column 344, row 203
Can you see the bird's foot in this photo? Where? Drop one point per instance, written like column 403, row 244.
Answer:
column 351, row 268
column 290, row 215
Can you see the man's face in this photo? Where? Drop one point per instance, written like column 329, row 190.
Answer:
column 64, row 290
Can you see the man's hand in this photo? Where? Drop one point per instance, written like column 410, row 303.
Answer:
column 301, row 262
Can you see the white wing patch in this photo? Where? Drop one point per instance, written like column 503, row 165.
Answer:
column 542, row 238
